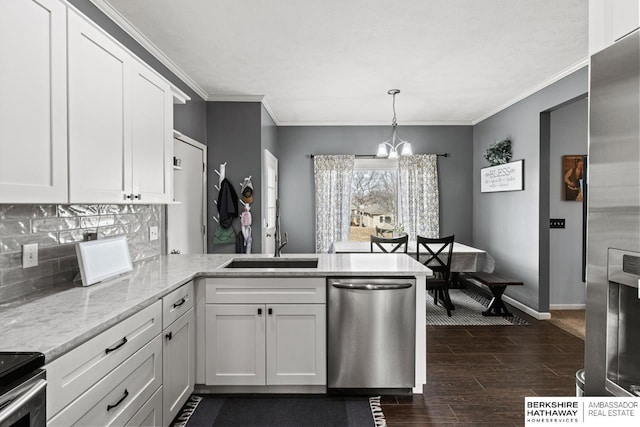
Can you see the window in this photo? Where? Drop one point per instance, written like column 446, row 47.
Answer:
column 374, row 197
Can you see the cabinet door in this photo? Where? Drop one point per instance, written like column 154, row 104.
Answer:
column 33, row 105
column 235, row 339
column 178, row 360
column 625, row 17
column 99, row 116
column 152, row 136
column 296, row 344
column 150, row 415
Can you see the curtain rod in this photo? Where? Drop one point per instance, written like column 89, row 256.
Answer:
column 373, row 156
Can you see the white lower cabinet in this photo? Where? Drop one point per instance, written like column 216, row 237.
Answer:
column 179, row 364
column 265, row 344
column 150, row 415
column 117, row 397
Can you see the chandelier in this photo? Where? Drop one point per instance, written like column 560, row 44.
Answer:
column 394, row 142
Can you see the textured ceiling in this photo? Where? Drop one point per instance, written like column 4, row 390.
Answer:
column 332, row 61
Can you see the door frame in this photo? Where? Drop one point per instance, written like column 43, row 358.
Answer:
column 183, row 138
column 266, row 155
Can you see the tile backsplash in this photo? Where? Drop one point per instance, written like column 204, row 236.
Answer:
column 56, row 228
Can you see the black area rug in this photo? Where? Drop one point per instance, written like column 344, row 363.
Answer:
column 279, row 411
column 469, row 307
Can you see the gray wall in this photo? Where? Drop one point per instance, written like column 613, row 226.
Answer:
column 190, row 119
column 234, row 136
column 568, row 135
column 296, row 185
column 511, row 225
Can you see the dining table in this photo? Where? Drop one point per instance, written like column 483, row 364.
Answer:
column 464, row 258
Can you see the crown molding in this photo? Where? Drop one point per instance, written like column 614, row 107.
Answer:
column 130, row 29
column 381, row 123
column 548, row 82
column 236, row 98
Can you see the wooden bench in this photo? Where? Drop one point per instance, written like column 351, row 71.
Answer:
column 497, row 285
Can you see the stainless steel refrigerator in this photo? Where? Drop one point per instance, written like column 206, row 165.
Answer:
column 612, row 348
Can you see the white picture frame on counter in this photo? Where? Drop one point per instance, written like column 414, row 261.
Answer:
column 505, row 177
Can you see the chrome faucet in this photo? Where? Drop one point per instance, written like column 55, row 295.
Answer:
column 278, row 239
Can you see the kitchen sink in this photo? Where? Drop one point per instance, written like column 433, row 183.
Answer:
column 273, row 263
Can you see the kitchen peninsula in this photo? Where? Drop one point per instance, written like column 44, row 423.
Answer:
column 57, row 323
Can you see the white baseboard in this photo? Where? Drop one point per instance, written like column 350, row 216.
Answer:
column 567, row 306
column 530, row 311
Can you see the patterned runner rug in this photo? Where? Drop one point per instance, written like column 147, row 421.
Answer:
column 281, row 411
column 469, row 307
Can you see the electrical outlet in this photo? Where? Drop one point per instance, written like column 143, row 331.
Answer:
column 153, row 232
column 556, row 223
column 29, row 255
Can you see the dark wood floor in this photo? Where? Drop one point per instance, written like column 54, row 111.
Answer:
column 480, row 375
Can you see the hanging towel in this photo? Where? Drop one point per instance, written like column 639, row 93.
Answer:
column 245, row 218
column 227, row 204
column 246, row 232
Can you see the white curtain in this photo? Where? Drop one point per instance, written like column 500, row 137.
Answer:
column 333, row 176
column 418, row 201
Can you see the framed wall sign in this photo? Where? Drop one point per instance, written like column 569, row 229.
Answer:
column 505, row 177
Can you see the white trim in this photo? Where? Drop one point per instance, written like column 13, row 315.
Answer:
column 179, row 97
column 530, row 311
column 184, row 138
column 564, row 73
column 236, row 98
column 130, row 29
column 382, row 123
column 567, row 306
column 267, row 107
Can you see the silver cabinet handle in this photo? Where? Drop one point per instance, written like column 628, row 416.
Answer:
column 137, row 196
column 371, row 286
column 21, row 401
column 127, row 196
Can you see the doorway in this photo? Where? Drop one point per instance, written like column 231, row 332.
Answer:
column 186, row 217
column 270, row 191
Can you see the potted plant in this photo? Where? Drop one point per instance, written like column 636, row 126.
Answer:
column 499, row 152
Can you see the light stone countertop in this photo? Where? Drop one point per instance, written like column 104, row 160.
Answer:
column 61, row 321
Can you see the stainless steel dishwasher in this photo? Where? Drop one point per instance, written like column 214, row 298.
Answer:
column 371, row 334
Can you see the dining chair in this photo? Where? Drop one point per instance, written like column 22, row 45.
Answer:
column 389, row 244
column 438, row 254
column 382, row 232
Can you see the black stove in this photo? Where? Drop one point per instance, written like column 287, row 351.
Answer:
column 14, row 366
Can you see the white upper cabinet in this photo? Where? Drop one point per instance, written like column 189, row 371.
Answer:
column 611, row 20
column 120, row 122
column 99, row 116
column 33, row 102
column 152, row 136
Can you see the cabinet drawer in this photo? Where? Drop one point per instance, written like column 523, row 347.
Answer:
column 75, row 372
column 117, row 397
column 150, row 415
column 284, row 290
column 176, row 304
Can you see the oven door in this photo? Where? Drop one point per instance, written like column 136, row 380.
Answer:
column 25, row 404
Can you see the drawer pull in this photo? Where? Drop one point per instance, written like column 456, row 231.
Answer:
column 179, row 303
column 110, row 349
column 259, row 312
column 270, row 311
column 169, row 335
column 124, row 396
